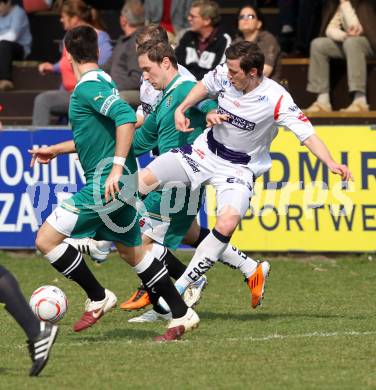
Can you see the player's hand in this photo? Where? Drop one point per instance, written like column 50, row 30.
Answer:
column 42, row 155
column 341, row 169
column 213, row 118
column 112, row 183
column 181, row 122
column 45, row 67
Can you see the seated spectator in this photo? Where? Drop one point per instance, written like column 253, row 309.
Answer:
column 169, row 14
column 349, row 33
column 123, row 65
column 202, row 48
column 250, row 26
column 15, row 40
column 73, row 13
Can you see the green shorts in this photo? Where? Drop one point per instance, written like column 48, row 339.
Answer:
column 168, row 222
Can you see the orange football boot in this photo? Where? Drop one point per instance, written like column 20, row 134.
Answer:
column 256, row 283
column 137, row 301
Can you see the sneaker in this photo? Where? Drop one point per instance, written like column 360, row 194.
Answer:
column 151, row 316
column 356, row 107
column 178, row 326
column 97, row 250
column 256, row 283
column 137, row 301
column 318, row 107
column 192, row 294
column 40, row 347
column 94, row 310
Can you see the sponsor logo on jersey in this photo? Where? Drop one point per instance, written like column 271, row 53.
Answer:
column 237, row 121
column 108, row 103
column 293, row 108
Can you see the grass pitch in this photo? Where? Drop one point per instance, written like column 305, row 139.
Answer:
column 315, row 330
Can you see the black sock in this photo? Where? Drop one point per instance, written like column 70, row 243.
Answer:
column 203, row 233
column 72, row 265
column 174, row 266
column 156, row 278
column 16, row 305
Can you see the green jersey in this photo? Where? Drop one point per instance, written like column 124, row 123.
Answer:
column 95, row 111
column 159, row 128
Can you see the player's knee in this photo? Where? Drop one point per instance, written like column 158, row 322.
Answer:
column 147, row 182
column 40, row 242
column 226, row 226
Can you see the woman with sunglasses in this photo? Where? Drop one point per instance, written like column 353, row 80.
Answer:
column 250, row 28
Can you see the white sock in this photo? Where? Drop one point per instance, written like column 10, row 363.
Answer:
column 360, row 97
column 236, row 259
column 323, row 98
column 206, row 255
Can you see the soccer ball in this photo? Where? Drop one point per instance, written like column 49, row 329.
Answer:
column 49, row 303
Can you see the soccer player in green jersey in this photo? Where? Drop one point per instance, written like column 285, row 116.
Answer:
column 170, row 216
column 103, row 128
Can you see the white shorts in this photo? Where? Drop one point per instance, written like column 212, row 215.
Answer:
column 233, row 182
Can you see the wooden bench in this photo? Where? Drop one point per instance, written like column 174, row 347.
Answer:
column 295, row 76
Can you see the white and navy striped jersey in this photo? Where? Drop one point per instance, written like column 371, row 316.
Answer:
column 254, row 117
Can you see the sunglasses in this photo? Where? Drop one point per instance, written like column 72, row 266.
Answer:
column 247, row 17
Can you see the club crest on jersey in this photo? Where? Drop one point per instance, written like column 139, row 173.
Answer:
column 293, row 108
column 168, row 101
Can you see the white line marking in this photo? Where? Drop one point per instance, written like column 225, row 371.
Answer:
column 270, row 337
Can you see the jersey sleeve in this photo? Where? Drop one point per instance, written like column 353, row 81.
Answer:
column 213, row 80
column 106, row 101
column 287, row 113
column 146, row 137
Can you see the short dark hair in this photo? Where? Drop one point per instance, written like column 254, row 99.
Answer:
column 249, row 54
column 157, row 51
column 152, row 31
column 5, row 1
column 82, row 44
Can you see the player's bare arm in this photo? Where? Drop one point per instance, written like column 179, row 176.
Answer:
column 124, row 137
column 197, row 93
column 45, row 154
column 318, row 148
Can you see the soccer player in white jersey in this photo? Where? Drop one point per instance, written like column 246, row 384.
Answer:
column 232, row 153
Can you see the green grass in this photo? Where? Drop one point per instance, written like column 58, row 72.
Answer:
column 316, row 330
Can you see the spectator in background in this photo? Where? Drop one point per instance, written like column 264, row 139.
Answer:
column 202, row 48
column 123, row 65
column 169, row 14
column 348, row 32
column 15, row 40
column 73, row 13
column 250, row 26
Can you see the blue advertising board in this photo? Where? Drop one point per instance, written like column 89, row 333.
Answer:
column 28, row 195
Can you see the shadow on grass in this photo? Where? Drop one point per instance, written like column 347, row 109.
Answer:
column 270, row 316
column 120, row 333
